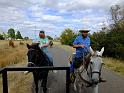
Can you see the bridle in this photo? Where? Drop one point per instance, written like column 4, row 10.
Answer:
column 34, row 63
column 79, row 73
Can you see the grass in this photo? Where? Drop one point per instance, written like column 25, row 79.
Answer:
column 18, row 82
column 9, row 55
column 111, row 63
column 15, row 57
column 114, row 64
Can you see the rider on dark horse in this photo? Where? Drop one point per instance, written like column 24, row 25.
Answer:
column 43, row 42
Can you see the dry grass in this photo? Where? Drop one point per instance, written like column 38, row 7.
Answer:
column 18, row 82
column 15, row 57
column 114, row 64
column 9, row 55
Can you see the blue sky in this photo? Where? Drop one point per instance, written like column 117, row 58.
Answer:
column 53, row 16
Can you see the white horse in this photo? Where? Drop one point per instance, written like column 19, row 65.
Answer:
column 89, row 77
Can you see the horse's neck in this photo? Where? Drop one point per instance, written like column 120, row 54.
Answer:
column 43, row 60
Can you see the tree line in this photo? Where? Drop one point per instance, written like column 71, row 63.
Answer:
column 12, row 34
column 112, row 37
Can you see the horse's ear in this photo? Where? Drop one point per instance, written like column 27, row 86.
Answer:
column 28, row 46
column 102, row 50
column 91, row 51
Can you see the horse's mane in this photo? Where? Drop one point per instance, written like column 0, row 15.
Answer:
column 44, row 60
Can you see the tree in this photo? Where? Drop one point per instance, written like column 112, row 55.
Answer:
column 49, row 37
column 1, row 37
column 18, row 35
column 26, row 38
column 67, row 37
column 117, row 13
column 5, row 36
column 11, row 33
column 112, row 40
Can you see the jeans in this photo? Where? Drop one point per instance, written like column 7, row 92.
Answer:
column 76, row 62
column 50, row 58
column 72, row 65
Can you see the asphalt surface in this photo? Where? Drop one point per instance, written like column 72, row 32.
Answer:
column 56, row 81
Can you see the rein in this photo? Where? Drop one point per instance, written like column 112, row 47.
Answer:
column 36, row 56
column 90, row 76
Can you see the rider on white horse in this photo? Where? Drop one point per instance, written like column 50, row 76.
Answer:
column 82, row 45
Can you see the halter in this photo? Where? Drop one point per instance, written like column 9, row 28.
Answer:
column 31, row 63
column 35, row 58
column 37, row 55
column 90, row 76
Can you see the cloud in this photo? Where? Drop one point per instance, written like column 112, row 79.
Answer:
column 53, row 16
column 15, row 3
column 82, row 5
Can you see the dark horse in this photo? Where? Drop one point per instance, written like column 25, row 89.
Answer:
column 37, row 58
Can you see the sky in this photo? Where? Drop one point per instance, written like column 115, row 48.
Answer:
column 53, row 16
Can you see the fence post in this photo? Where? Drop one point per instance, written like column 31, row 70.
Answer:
column 67, row 80
column 5, row 83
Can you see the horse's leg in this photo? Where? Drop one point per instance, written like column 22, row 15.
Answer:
column 95, row 88
column 44, row 81
column 79, row 86
column 36, row 82
column 75, row 84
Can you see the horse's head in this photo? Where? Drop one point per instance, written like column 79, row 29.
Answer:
column 96, row 64
column 33, row 54
column 36, row 56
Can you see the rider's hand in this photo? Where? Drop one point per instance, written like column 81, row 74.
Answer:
column 42, row 46
column 81, row 46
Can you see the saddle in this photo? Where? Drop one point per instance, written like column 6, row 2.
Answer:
column 82, row 61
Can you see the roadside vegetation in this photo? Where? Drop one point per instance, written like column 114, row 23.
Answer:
column 10, row 55
column 114, row 64
column 111, row 37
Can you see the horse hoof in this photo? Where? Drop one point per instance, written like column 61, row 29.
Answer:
column 44, row 90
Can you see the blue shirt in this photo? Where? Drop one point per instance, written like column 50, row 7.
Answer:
column 82, row 41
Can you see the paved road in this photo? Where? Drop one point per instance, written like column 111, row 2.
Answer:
column 56, row 81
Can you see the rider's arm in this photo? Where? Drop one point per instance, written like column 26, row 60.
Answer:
column 76, row 43
column 78, row 46
column 45, row 45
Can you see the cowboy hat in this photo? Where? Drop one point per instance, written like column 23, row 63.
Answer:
column 84, row 30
